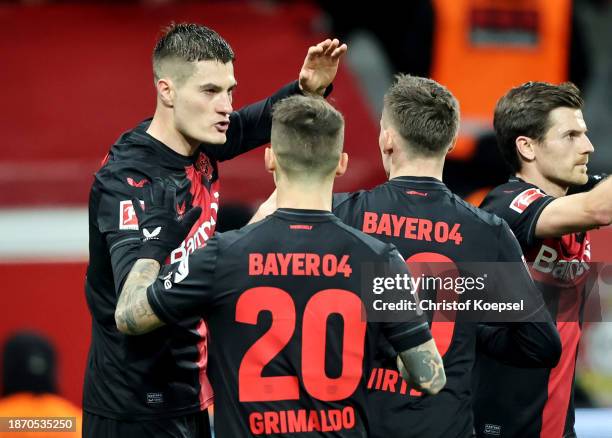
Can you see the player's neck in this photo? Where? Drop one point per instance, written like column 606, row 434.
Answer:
column 304, row 196
column 162, row 129
column 536, row 178
column 418, row 167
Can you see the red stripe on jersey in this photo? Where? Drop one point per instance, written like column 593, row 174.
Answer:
column 202, row 197
column 206, row 391
column 561, row 377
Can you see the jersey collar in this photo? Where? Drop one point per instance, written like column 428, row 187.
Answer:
column 302, row 215
column 171, row 157
column 422, row 182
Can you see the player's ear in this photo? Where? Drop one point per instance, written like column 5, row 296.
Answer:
column 525, row 147
column 270, row 160
column 165, row 91
column 388, row 140
column 452, row 145
column 342, row 164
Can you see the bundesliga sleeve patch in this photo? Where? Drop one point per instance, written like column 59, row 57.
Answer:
column 525, row 198
column 127, row 216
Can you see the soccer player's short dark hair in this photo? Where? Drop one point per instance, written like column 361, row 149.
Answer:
column 424, row 113
column 307, row 136
column 187, row 43
column 525, row 110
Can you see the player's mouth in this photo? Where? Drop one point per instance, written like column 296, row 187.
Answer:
column 222, row 127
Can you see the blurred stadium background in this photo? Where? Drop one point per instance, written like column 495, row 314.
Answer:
column 75, row 75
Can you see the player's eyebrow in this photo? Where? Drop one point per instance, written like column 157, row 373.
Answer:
column 574, row 131
column 217, row 88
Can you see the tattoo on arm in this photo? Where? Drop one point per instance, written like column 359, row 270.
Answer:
column 423, row 368
column 134, row 315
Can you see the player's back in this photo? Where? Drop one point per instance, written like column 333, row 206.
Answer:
column 427, row 223
column 289, row 342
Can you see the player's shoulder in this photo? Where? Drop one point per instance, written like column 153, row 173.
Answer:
column 475, row 214
column 347, row 199
column 512, row 199
column 346, row 203
column 235, row 240
column 131, row 160
column 363, row 240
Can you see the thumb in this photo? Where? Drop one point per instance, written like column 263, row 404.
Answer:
column 191, row 217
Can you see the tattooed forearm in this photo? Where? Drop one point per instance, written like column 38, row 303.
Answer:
column 134, row 315
column 422, row 367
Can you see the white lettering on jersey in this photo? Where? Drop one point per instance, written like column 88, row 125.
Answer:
column 547, row 262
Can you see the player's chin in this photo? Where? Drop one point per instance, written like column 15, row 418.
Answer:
column 580, row 176
column 214, row 138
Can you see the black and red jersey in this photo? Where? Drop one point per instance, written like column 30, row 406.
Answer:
column 536, row 402
column 427, row 222
column 290, row 347
column 160, row 374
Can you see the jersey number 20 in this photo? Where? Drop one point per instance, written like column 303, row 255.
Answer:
column 252, row 387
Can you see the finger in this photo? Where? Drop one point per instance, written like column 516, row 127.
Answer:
column 325, row 43
column 331, row 47
column 339, row 51
column 191, row 217
column 314, row 50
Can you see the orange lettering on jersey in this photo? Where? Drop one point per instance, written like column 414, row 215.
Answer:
column 302, row 420
column 384, row 226
column 369, row 222
column 299, row 264
column 271, row 266
column 312, row 265
column 255, row 264
column 397, row 224
column 411, row 228
column 390, row 380
column 284, row 260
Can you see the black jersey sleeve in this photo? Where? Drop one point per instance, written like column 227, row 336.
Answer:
column 250, row 126
column 520, row 206
column 414, row 330
column 533, row 342
column 185, row 289
column 115, row 218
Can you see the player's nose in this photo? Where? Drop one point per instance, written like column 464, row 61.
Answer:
column 587, row 146
column 224, row 105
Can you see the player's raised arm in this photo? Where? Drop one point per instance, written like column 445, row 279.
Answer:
column 579, row 212
column 161, row 233
column 250, row 126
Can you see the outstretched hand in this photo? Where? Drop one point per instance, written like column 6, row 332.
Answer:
column 320, row 66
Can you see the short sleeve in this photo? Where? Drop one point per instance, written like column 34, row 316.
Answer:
column 520, row 208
